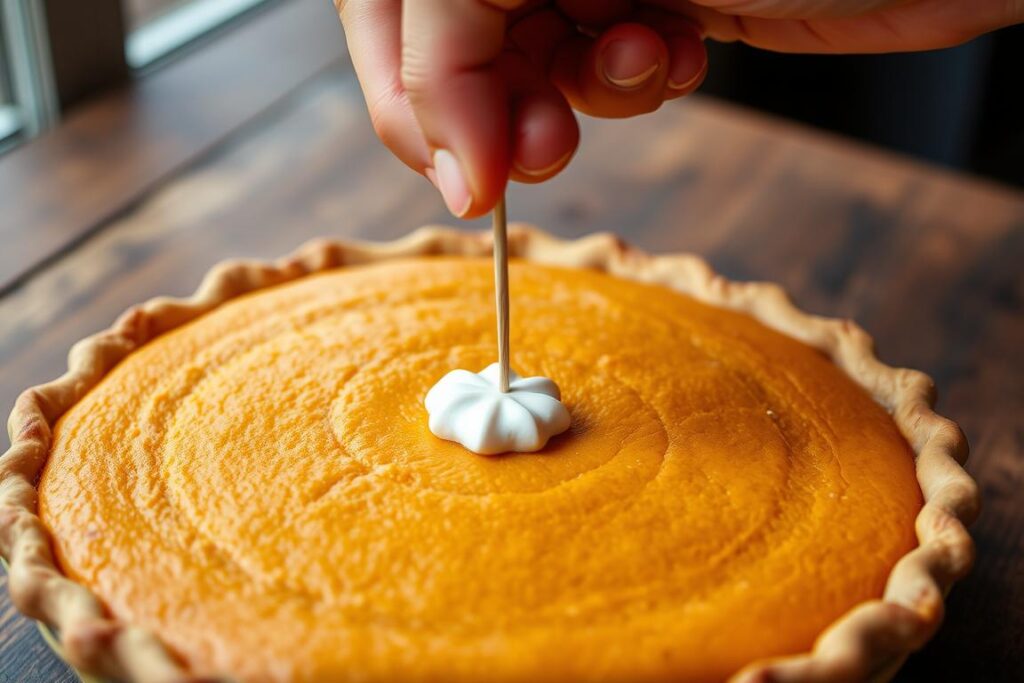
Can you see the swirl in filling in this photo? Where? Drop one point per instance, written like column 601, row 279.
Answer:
column 260, row 487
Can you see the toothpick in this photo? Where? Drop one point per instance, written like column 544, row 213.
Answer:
column 501, row 290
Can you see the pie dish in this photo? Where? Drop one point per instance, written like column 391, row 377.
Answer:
column 241, row 483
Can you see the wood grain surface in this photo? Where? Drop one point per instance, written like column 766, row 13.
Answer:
column 929, row 262
column 64, row 186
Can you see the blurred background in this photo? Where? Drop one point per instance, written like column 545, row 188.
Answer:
column 962, row 107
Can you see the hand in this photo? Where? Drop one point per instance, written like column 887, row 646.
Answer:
column 852, row 26
column 471, row 93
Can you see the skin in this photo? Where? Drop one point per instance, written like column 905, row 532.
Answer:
column 471, row 93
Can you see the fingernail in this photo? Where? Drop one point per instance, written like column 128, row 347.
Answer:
column 452, row 183
column 689, row 61
column 540, row 172
column 628, row 65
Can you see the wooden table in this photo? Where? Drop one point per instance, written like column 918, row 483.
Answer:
column 930, row 262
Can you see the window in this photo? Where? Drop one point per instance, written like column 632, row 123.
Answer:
column 138, row 13
column 157, row 28
column 10, row 122
column 48, row 64
column 28, row 101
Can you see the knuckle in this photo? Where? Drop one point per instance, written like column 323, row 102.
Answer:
column 382, row 116
column 415, row 74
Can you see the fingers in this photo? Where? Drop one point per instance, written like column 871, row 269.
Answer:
column 447, row 102
column 900, row 26
column 546, row 137
column 544, row 130
column 631, row 68
column 374, row 42
column 688, row 58
column 459, row 99
column 621, row 73
column 689, row 63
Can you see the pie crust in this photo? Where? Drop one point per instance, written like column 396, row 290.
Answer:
column 870, row 642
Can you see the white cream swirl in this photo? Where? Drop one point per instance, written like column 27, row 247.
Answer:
column 470, row 409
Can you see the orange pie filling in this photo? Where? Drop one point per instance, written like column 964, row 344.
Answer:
column 260, row 487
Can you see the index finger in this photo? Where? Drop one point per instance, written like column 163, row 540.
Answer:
column 449, row 51
column 373, row 35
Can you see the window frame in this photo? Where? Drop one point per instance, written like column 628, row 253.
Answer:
column 181, row 27
column 30, row 104
column 53, row 65
column 115, row 147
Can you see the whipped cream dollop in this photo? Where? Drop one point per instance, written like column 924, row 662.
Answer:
column 471, row 409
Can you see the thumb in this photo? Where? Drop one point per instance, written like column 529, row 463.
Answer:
column 449, row 54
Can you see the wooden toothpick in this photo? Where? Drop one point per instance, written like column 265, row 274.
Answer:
column 501, row 290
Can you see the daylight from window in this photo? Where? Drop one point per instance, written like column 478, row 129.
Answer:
column 156, row 28
column 9, row 119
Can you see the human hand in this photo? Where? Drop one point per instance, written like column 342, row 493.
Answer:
column 851, row 26
column 471, row 93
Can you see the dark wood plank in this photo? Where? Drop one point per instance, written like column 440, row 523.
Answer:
column 57, row 190
column 929, row 262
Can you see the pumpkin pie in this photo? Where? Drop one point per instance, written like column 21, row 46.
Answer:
column 243, row 484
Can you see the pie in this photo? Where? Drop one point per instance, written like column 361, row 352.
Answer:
column 243, row 484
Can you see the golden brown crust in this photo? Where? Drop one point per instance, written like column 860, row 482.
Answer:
column 867, row 644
